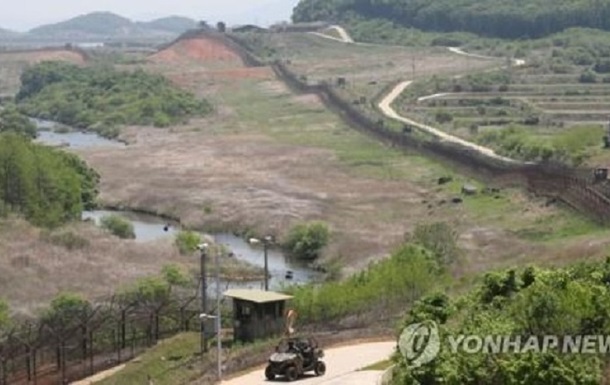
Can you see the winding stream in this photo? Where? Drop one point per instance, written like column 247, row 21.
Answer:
column 150, row 227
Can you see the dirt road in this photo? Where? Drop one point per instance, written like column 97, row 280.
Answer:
column 386, row 107
column 344, row 36
column 342, row 366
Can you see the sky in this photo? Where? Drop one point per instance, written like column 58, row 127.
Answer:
column 23, row 15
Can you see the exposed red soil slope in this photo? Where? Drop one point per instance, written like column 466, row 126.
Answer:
column 198, row 48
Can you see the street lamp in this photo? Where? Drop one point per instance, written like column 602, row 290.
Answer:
column 203, row 248
column 266, row 241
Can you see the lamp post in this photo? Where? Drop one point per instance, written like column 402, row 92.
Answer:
column 205, row 316
column 203, row 248
column 266, row 241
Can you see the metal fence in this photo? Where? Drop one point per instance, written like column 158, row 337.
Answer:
column 86, row 341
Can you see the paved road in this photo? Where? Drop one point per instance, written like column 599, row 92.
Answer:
column 342, row 366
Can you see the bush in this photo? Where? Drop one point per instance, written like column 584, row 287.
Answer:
column 385, row 287
column 187, row 242
column 306, row 240
column 439, row 238
column 588, row 76
column 118, row 226
column 443, row 117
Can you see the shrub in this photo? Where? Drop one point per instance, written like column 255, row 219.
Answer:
column 187, row 241
column 118, row 226
column 443, row 117
column 439, row 238
column 588, row 76
column 306, row 240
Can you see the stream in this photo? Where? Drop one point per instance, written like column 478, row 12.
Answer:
column 150, row 227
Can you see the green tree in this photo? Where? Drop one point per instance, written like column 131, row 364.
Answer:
column 187, row 242
column 118, row 226
column 306, row 240
column 11, row 120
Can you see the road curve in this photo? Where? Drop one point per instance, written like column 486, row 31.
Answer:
column 386, row 108
column 344, row 35
column 342, row 367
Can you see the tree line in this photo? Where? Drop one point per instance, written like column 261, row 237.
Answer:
column 495, row 18
column 102, row 98
column 45, row 185
column 527, row 302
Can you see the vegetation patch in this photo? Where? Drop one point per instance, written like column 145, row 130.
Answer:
column 571, row 301
column 306, row 240
column 102, row 99
column 48, row 186
column 571, row 146
column 118, row 226
column 382, row 288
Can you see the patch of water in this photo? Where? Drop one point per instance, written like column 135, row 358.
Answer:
column 72, row 139
column 150, row 227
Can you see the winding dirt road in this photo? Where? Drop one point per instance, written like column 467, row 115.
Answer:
column 342, row 367
column 386, row 107
column 386, row 104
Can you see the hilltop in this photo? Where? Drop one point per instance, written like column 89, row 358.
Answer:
column 174, row 24
column 107, row 25
column 495, row 18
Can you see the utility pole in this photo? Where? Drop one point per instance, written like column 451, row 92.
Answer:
column 218, row 323
column 265, row 246
column 204, row 343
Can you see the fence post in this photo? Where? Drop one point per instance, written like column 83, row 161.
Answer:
column 91, row 352
column 28, row 362
column 123, row 327
column 34, row 365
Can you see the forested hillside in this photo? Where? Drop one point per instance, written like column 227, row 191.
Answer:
column 497, row 18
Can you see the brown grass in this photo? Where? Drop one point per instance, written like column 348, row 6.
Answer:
column 12, row 65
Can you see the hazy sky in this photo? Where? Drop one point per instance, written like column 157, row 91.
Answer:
column 21, row 15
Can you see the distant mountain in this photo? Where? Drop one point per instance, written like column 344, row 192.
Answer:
column 7, row 32
column 175, row 24
column 97, row 23
column 109, row 26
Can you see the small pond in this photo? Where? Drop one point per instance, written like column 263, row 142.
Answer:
column 150, row 227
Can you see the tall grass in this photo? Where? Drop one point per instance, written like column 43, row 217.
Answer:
column 385, row 286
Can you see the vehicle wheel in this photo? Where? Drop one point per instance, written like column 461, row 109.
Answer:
column 269, row 373
column 320, row 368
column 291, row 373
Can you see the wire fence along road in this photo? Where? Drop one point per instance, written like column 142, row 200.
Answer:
column 343, row 366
